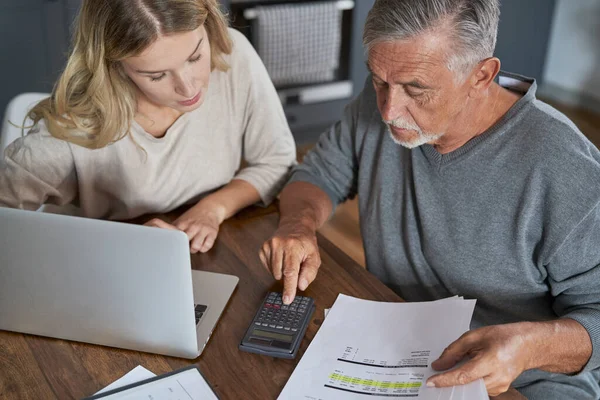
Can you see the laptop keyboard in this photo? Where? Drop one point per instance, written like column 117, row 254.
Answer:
column 200, row 309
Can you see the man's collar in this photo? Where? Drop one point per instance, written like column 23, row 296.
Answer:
column 515, row 82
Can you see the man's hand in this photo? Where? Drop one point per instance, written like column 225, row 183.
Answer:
column 498, row 354
column 292, row 254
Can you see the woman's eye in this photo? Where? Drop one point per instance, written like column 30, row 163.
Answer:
column 157, row 78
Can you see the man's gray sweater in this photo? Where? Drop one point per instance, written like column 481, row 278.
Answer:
column 511, row 218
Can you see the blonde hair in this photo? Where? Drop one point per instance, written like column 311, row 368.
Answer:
column 93, row 103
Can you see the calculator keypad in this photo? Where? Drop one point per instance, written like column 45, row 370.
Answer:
column 276, row 315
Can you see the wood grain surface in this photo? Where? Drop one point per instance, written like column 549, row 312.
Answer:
column 33, row 367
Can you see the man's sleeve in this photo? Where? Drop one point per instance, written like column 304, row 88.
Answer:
column 574, row 278
column 333, row 165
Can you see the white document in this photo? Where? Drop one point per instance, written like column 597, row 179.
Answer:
column 137, row 374
column 382, row 350
column 186, row 385
column 326, row 310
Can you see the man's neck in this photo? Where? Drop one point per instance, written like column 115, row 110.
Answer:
column 477, row 118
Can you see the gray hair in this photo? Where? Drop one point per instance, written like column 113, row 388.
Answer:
column 473, row 25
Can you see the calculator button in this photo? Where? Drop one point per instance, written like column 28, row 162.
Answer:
column 279, row 326
column 264, row 324
column 287, row 328
column 272, row 326
column 294, row 330
column 257, row 323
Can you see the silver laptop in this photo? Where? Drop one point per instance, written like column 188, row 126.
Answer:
column 107, row 283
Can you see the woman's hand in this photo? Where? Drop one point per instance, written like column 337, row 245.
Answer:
column 201, row 222
column 201, row 225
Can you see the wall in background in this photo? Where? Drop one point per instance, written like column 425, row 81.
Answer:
column 33, row 41
column 573, row 62
column 42, row 26
column 523, row 35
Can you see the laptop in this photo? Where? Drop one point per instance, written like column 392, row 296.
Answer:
column 106, row 283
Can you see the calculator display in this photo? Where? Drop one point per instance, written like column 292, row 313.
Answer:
column 273, row 335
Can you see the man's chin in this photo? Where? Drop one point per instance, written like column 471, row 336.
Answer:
column 420, row 140
column 408, row 144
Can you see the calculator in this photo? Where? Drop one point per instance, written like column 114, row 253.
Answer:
column 277, row 329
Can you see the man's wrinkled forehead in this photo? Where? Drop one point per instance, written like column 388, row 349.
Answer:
column 425, row 57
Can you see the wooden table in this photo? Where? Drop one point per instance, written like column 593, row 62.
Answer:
column 33, row 367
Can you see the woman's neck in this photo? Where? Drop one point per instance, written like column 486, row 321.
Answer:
column 155, row 119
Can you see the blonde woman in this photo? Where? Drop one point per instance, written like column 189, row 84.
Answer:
column 157, row 107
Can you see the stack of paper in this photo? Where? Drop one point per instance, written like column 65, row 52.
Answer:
column 368, row 348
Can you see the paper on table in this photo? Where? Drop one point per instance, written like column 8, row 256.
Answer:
column 184, row 384
column 326, row 310
column 137, row 374
column 188, row 384
column 379, row 349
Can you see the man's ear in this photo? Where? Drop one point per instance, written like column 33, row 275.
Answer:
column 483, row 76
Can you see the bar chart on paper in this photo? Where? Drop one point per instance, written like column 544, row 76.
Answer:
column 356, row 373
column 374, row 350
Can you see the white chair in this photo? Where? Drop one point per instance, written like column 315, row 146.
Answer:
column 10, row 130
column 14, row 114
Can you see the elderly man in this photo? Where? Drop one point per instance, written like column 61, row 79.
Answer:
column 467, row 186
